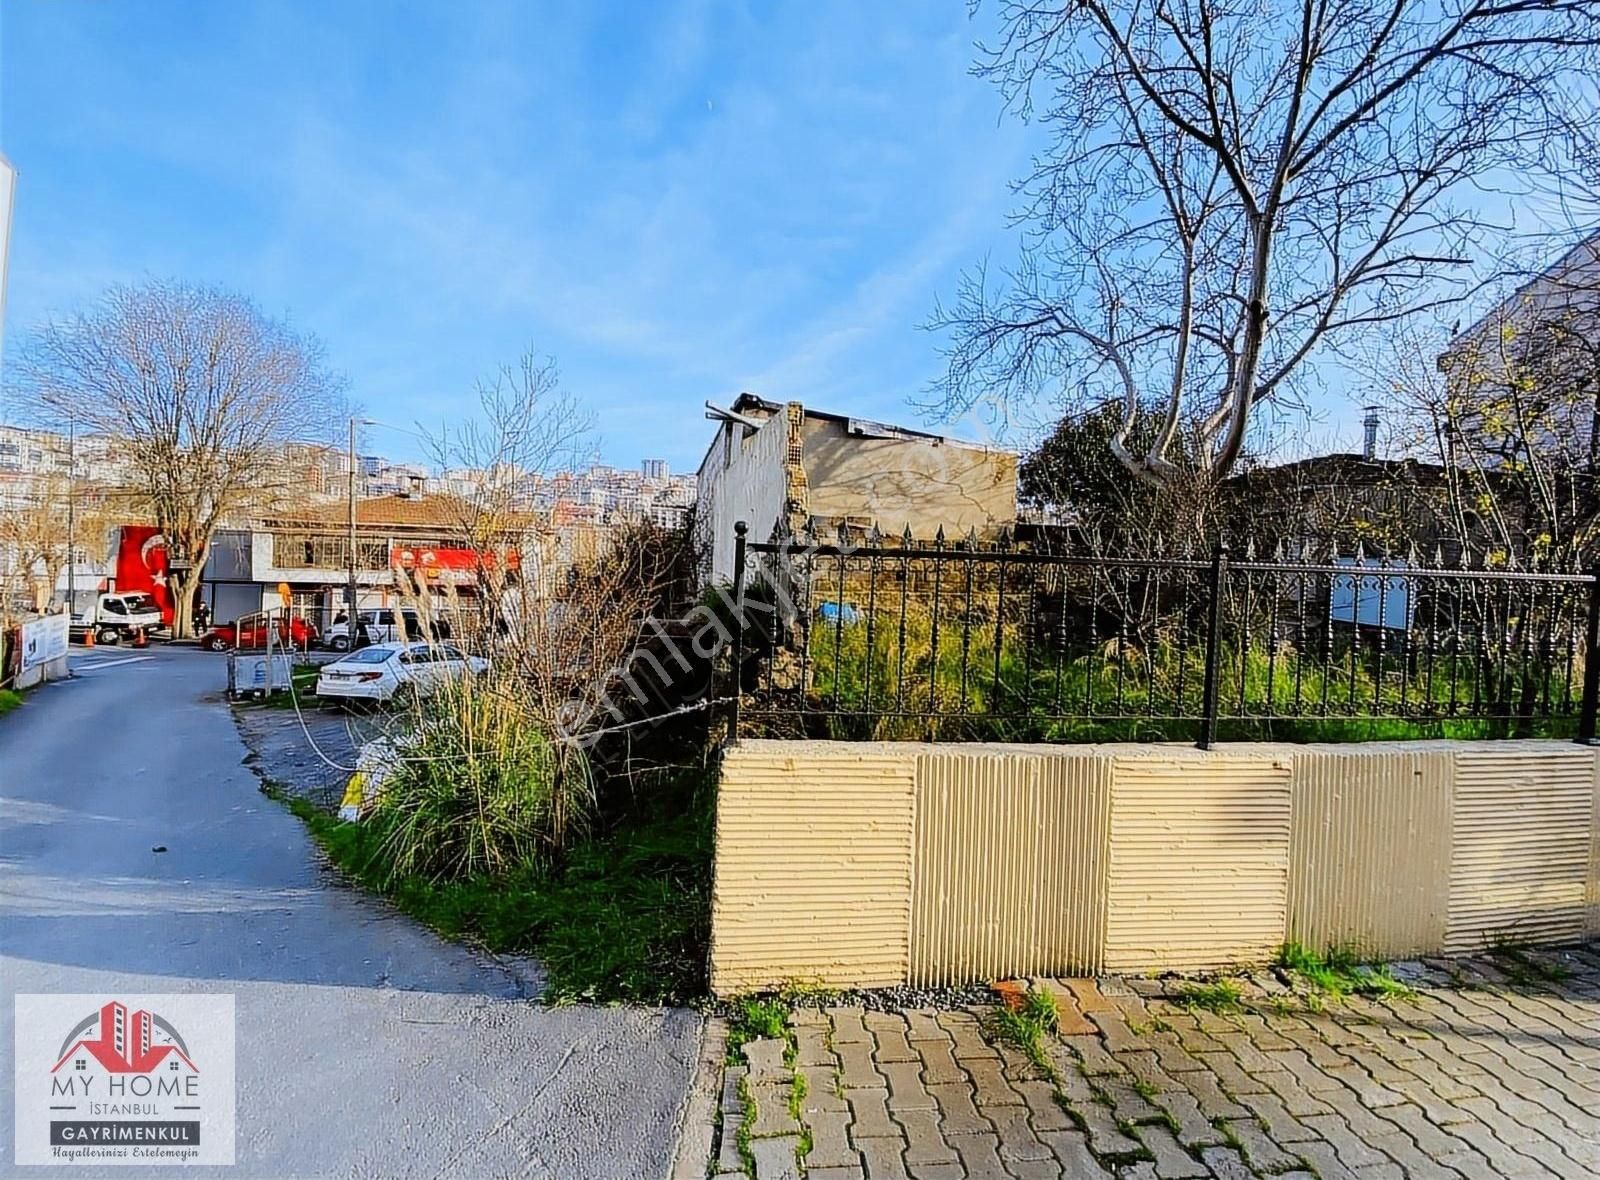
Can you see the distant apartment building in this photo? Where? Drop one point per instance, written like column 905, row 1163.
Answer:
column 782, row 466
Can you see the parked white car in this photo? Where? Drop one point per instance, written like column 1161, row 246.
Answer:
column 376, row 673
column 384, row 626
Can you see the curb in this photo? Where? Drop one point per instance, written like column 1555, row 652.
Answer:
column 698, row 1127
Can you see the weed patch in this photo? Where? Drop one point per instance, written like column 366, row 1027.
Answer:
column 10, row 698
column 1523, row 969
column 622, row 916
column 1222, row 997
column 1029, row 1025
column 1340, row 972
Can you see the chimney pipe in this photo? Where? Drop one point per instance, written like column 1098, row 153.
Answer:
column 1369, row 435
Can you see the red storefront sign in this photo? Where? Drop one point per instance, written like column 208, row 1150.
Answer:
column 439, row 558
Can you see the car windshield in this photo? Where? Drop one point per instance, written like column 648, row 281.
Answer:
column 140, row 602
column 369, row 655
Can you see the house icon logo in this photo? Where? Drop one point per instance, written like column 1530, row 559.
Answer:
column 124, row 1042
column 138, row 1078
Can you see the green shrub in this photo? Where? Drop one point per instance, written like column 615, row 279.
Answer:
column 483, row 789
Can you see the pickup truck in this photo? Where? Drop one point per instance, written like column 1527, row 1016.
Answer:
column 114, row 617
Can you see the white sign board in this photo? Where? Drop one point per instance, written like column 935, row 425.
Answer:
column 1371, row 600
column 44, row 639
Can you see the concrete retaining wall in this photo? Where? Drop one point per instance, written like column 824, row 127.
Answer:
column 858, row 864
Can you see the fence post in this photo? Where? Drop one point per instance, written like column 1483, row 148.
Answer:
column 1591, row 664
column 1208, row 703
column 740, row 531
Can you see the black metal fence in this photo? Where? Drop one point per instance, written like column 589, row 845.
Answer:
column 988, row 640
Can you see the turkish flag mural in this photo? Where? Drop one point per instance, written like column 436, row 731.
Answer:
column 142, row 565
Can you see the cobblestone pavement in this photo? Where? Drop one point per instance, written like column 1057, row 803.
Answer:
column 1490, row 1069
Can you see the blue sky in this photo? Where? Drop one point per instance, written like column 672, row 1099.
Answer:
column 677, row 201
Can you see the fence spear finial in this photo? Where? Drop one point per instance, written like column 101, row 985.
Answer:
column 905, row 537
column 1250, row 547
column 972, row 537
column 874, row 536
column 938, row 538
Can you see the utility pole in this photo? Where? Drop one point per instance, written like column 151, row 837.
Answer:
column 72, row 518
column 350, row 589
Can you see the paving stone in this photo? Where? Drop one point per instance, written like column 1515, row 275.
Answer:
column 1194, row 1129
column 765, row 1060
column 939, row 1066
column 1214, row 1104
column 775, row 1158
column 1325, row 1159
column 1232, row 1076
column 892, row 1046
column 1071, row 1148
column 1172, row 1161
column 811, row 1047
column 924, row 1143
column 808, row 1018
column 1044, row 1112
column 1127, row 1104
column 1280, row 1124
column 772, row 1109
column 1171, row 1056
column 1070, row 1020
column 1368, row 1092
column 728, row 1157
column 1335, row 1132
column 1417, row 1165
column 978, row 1156
column 1017, row 1138
column 1262, row 1035
column 906, row 1091
column 848, row 1027
column 967, row 1035
column 1189, row 1033
column 1262, row 1153
column 856, row 1067
column 869, row 1115
column 732, row 1103
column 1226, row 1164
column 1093, row 1055
column 1308, row 1077
column 1016, row 1065
column 835, row 1174
column 957, row 1114
column 1322, row 1055
column 1105, row 1137
column 989, row 1083
column 1114, row 1031
column 1145, row 1068
column 1388, row 1171
column 923, row 1025
column 830, row 1143
column 1112, row 986
column 884, row 1158
column 1471, row 1165
column 1087, row 993
column 1251, row 1058
column 821, row 1094
column 884, row 1021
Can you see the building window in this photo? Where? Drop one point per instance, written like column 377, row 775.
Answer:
column 327, row 551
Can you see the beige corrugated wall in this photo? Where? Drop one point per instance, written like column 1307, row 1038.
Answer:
column 1198, row 873
column 1519, row 865
column 813, row 871
column 1369, row 849
column 868, row 864
column 1010, row 864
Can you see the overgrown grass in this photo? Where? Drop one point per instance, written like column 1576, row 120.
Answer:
column 1340, row 971
column 10, row 698
column 1221, row 996
column 862, row 677
column 622, row 916
column 755, row 1019
column 1029, row 1026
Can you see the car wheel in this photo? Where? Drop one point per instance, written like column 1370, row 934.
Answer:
column 109, row 636
column 339, row 643
column 213, row 643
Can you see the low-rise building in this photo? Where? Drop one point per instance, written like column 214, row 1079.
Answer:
column 784, row 466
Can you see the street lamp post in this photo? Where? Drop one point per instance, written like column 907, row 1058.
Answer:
column 350, row 588
column 72, row 518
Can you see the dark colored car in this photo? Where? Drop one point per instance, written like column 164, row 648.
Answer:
column 224, row 636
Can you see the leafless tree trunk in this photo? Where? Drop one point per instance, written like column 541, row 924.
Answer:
column 1231, row 189
column 201, row 388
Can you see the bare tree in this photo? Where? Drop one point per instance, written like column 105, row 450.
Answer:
column 200, row 387
column 1232, row 187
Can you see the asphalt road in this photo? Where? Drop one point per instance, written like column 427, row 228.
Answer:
column 366, row 1046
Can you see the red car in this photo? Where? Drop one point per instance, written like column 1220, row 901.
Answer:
column 294, row 633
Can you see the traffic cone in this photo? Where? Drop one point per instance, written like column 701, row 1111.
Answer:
column 139, row 639
column 88, row 637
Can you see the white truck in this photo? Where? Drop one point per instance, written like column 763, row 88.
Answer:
column 113, row 617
